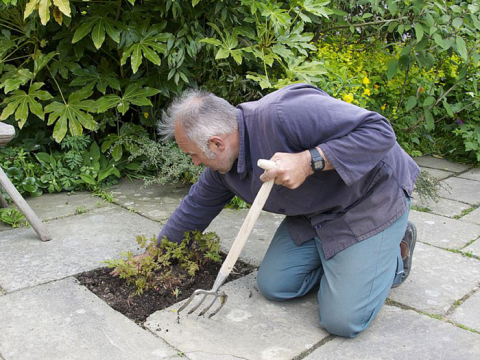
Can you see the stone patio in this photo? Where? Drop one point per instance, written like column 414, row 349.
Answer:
column 46, row 314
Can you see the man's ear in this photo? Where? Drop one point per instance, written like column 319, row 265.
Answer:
column 216, row 143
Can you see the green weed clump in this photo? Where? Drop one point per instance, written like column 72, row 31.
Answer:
column 166, row 266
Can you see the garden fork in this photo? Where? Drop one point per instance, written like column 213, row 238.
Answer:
column 236, row 248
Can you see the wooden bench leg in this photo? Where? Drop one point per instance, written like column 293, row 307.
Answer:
column 24, row 207
column 3, row 202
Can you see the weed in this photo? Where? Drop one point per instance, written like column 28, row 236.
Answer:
column 420, row 209
column 12, row 217
column 81, row 209
column 466, row 211
column 106, row 196
column 428, row 187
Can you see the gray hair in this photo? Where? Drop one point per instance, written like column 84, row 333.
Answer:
column 201, row 114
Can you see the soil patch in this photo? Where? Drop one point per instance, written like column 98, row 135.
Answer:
column 122, row 298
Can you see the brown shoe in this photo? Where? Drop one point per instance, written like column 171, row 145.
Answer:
column 407, row 245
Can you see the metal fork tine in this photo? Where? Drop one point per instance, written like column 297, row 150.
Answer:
column 208, row 307
column 223, row 300
column 190, row 299
column 198, row 305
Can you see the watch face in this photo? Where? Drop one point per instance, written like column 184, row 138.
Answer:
column 318, row 164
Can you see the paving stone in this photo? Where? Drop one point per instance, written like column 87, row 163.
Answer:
column 248, row 327
column 464, row 190
column 63, row 320
column 438, row 279
column 439, row 174
column 53, row 206
column 468, row 313
column 403, row 334
column 80, row 243
column 473, row 217
column 441, row 164
column 157, row 202
column 442, row 231
column 445, row 207
column 228, row 224
column 64, row 204
column 472, row 174
column 474, row 248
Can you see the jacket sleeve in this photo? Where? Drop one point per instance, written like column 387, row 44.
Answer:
column 353, row 139
column 205, row 200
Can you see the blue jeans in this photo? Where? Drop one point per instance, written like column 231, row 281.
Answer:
column 352, row 285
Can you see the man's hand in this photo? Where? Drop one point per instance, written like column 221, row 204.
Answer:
column 136, row 260
column 291, row 169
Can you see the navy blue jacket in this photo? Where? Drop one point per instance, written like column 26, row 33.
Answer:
column 364, row 195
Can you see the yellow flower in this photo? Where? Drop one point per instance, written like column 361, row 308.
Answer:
column 376, row 86
column 384, row 106
column 348, row 98
column 366, row 92
column 145, row 115
column 366, row 81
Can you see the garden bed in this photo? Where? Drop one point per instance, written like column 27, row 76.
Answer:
column 122, row 298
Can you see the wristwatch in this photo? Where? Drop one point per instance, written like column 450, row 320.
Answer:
column 318, row 162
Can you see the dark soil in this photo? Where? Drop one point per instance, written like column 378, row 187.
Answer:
column 122, row 298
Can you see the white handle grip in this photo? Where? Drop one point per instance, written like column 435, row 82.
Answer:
column 247, row 226
column 266, row 164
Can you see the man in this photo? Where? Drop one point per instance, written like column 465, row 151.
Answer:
column 342, row 181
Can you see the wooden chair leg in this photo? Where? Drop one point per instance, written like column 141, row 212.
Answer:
column 3, row 202
column 24, row 207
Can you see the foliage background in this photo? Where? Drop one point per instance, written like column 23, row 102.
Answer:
column 85, row 82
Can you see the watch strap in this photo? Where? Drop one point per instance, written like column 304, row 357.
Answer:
column 318, row 162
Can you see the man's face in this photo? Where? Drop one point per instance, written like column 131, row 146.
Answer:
column 217, row 159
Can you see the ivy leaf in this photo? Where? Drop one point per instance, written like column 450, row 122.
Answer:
column 72, row 115
column 134, row 94
column 22, row 103
column 91, row 77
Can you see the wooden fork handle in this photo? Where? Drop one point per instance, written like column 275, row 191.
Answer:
column 247, row 225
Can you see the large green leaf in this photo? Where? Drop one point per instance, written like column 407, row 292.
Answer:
column 14, row 78
column 91, row 77
column 317, row 7
column 97, row 26
column 72, row 115
column 151, row 43
column 134, row 94
column 22, row 103
column 461, row 47
column 43, row 7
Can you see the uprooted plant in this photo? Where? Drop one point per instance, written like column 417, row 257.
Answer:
column 169, row 264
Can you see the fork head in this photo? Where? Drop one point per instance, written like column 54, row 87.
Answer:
column 204, row 294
